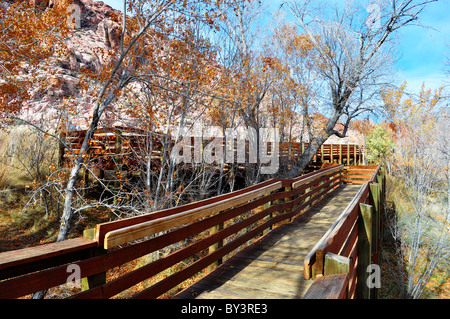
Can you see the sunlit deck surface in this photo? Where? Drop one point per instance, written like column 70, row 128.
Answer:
column 272, row 267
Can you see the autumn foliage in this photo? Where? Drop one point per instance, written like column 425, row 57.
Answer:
column 29, row 39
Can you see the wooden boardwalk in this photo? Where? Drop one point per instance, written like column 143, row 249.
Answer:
column 272, row 267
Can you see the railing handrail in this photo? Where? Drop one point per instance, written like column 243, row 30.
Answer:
column 103, row 228
column 18, row 257
column 328, row 237
column 324, row 240
column 308, row 179
column 137, row 231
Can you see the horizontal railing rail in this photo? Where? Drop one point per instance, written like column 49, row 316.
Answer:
column 194, row 237
column 358, row 174
column 18, row 262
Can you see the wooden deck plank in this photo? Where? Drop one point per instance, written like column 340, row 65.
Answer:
column 273, row 266
column 328, row 287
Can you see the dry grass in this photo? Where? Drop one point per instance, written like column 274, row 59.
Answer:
column 26, row 159
column 395, row 262
column 19, row 229
column 26, row 155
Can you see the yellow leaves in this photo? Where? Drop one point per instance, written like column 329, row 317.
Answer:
column 392, row 99
column 411, row 111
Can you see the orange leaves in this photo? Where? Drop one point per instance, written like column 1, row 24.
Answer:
column 292, row 43
column 30, row 35
column 362, row 126
column 268, row 63
column 28, row 38
column 209, row 18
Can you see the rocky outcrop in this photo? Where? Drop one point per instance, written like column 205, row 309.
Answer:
column 89, row 49
column 61, row 85
column 94, row 12
column 110, row 33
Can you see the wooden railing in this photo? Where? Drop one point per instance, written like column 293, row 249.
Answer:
column 131, row 146
column 339, row 261
column 338, row 153
column 112, row 145
column 359, row 174
column 194, row 236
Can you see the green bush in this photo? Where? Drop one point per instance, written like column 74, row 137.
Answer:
column 379, row 145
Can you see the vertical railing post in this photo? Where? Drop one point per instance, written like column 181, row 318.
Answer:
column 286, row 200
column 266, row 206
column 331, row 154
column 118, row 151
column 360, row 160
column 98, row 279
column 317, row 267
column 315, row 156
column 335, row 264
column 382, row 183
column 348, row 154
column 216, row 246
column 364, row 249
column 374, row 199
column 321, row 153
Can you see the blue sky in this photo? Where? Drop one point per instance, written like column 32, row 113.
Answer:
column 425, row 50
column 422, row 51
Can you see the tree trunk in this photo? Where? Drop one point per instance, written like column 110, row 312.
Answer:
column 70, row 188
column 306, row 157
column 316, row 142
column 163, row 160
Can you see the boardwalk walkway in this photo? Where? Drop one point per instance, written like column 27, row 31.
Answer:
column 273, row 267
